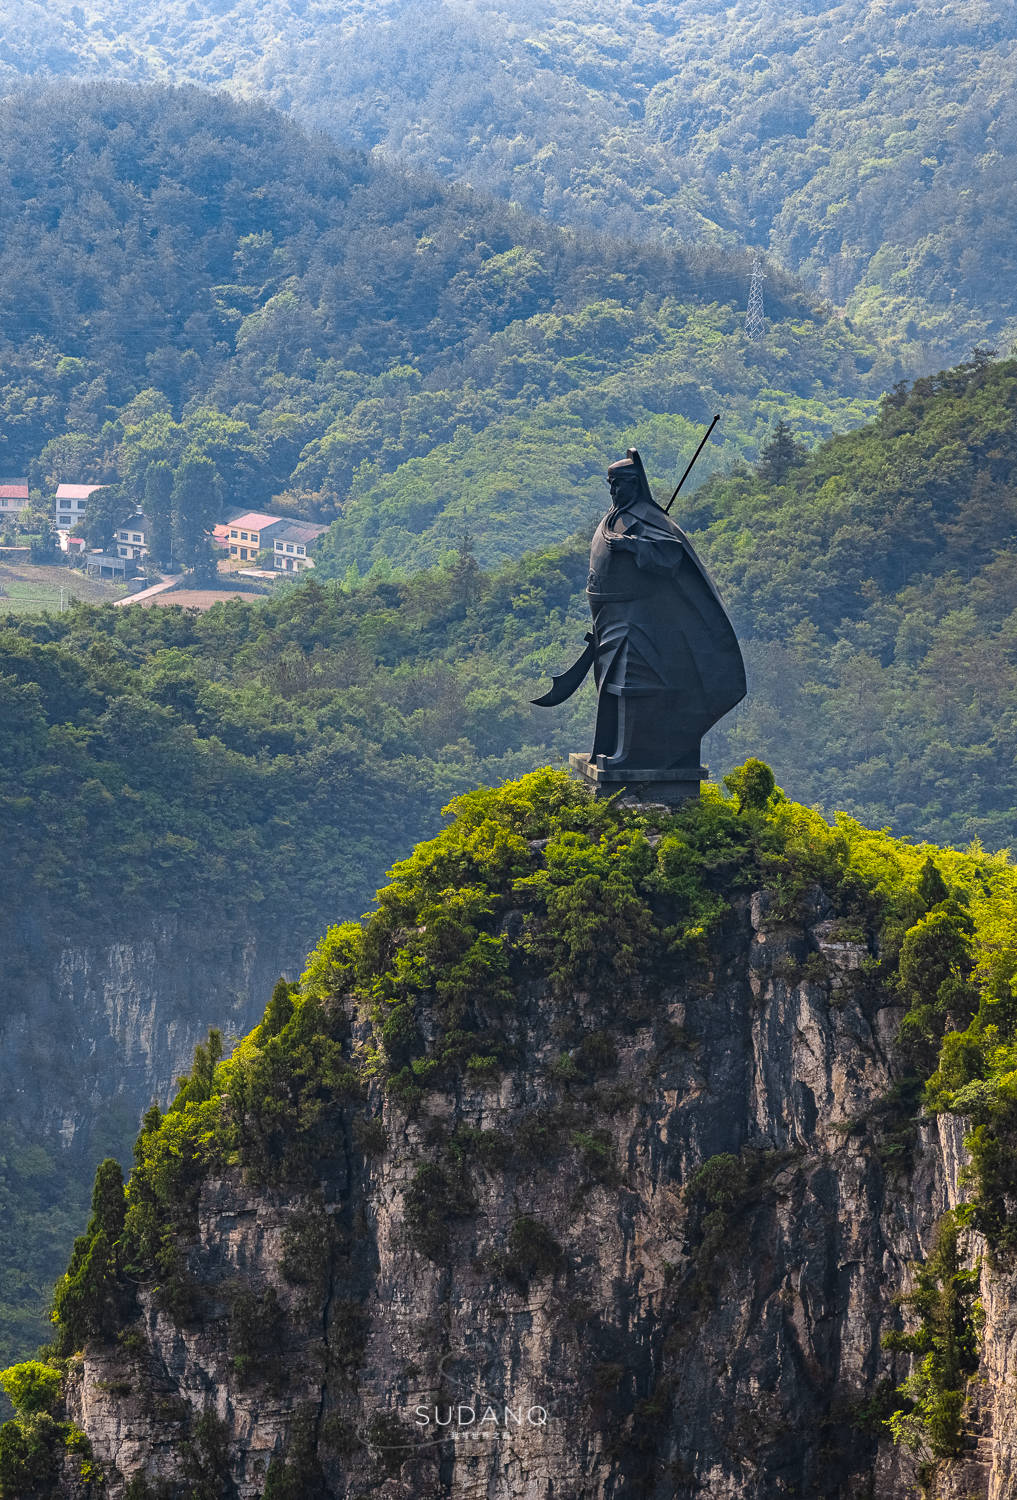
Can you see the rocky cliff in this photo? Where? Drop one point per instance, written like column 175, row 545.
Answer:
column 595, row 1164
column 95, row 1026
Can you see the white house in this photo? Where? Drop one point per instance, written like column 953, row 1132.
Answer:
column 133, row 537
column 71, row 500
column 292, row 542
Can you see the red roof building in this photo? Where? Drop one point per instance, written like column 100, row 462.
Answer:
column 13, row 496
column 246, row 537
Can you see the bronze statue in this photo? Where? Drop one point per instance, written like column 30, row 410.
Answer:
column 663, row 651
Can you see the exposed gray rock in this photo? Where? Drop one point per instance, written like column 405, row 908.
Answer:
column 674, row 1353
column 95, row 1027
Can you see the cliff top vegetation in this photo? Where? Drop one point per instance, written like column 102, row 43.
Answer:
column 535, row 883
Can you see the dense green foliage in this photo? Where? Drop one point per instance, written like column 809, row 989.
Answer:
column 875, row 590
column 195, row 282
column 37, row 1448
column 869, row 146
column 272, row 755
column 944, row 1301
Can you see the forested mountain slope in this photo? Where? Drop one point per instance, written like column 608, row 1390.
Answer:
column 187, row 276
column 876, row 582
column 872, row 582
column 869, row 146
column 265, row 761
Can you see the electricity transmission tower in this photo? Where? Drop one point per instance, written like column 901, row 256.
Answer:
column 754, row 324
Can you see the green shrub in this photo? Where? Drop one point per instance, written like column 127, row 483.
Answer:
column 32, row 1387
column 434, row 1200
column 597, row 1153
column 531, row 1253
column 206, row 1466
column 279, row 1010
column 256, row 1329
column 935, row 967
column 719, row 1195
column 298, row 1476
column 309, row 1242
column 492, row 1148
column 31, row 1452
column 596, row 1053
column 753, row 785
column 928, row 1418
column 542, row 1134
column 480, row 1068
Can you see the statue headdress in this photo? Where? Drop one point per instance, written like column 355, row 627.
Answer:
column 632, row 465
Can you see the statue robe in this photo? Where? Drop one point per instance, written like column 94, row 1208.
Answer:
column 659, row 628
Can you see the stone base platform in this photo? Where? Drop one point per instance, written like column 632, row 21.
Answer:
column 670, row 786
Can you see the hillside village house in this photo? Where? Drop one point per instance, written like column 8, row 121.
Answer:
column 245, row 539
column 71, row 500
column 291, row 543
column 13, row 497
column 133, row 537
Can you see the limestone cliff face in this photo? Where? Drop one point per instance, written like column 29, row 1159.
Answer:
column 94, row 1027
column 119, row 1018
column 620, row 1321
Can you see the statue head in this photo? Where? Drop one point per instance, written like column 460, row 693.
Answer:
column 628, row 481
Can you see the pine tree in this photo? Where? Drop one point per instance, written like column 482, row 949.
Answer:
column 88, row 1296
column 279, row 1009
column 782, row 453
column 932, row 888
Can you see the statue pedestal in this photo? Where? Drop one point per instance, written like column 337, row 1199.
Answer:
column 672, row 785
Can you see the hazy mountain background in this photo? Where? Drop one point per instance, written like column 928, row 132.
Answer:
column 867, row 145
column 184, row 276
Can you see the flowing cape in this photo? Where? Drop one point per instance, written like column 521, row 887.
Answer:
column 659, row 621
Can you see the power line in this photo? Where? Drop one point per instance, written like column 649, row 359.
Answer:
column 755, row 324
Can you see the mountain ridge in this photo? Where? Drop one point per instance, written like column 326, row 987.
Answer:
column 197, row 279
column 867, row 147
